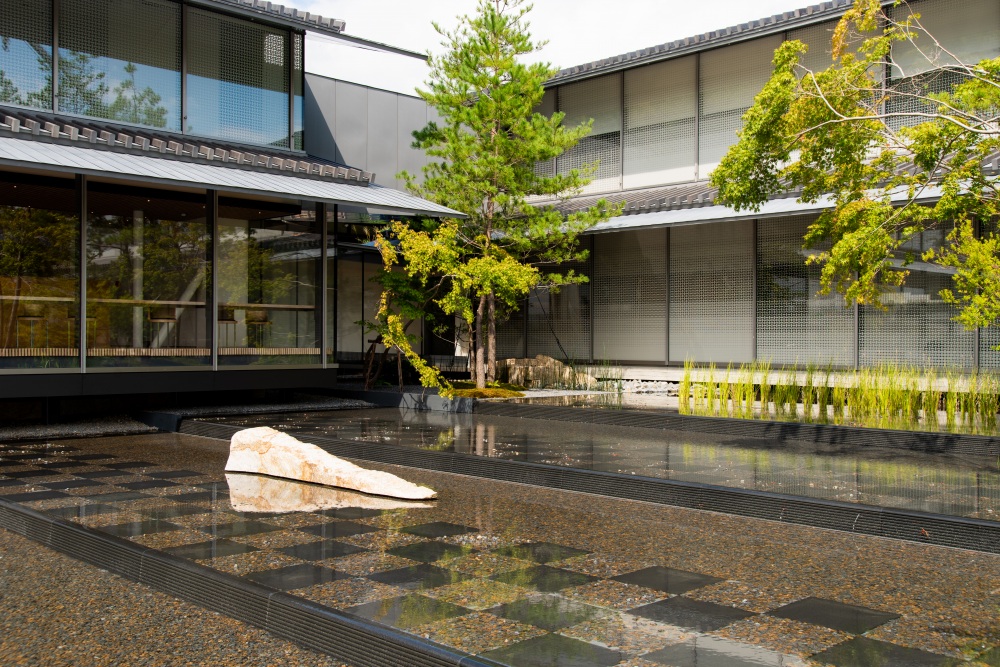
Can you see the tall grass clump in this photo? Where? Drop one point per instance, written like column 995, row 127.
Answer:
column 684, row 391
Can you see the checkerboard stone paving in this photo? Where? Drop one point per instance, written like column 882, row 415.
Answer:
column 534, row 610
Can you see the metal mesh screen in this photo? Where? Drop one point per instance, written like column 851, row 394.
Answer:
column 26, row 53
column 629, row 286
column 598, row 99
column 121, row 59
column 298, row 72
column 510, row 336
column 730, row 78
column 819, row 38
column 238, row 80
column 711, row 292
column 661, row 106
column 916, row 328
column 559, row 320
column 795, row 325
column 547, row 108
column 989, row 338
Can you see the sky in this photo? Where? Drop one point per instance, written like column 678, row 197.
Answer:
column 577, row 31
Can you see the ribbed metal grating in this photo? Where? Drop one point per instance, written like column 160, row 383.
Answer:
column 862, row 519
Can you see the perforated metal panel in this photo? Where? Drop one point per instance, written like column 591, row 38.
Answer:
column 559, row 321
column 547, row 108
column 298, row 74
column 711, row 292
column 916, row 327
column 121, row 59
column 819, row 39
column 238, row 79
column 795, row 325
column 730, row 77
column 598, row 99
column 661, row 105
column 26, row 56
column 630, row 296
column 967, row 31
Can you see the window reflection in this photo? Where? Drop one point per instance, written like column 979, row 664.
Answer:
column 146, row 278
column 269, row 260
column 39, row 273
column 26, row 53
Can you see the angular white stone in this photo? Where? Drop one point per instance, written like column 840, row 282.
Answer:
column 257, row 493
column 266, row 451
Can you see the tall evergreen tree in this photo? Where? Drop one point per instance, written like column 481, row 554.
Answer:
column 486, row 150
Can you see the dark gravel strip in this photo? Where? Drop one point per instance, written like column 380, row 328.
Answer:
column 56, row 611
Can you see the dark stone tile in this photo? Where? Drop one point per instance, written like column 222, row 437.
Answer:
column 540, row 552
column 193, row 497
column 72, row 484
column 438, row 529
column 991, row 657
column 428, row 552
column 138, row 528
column 31, row 496
column 81, row 511
column 215, row 487
column 171, row 511
column 835, row 615
column 715, row 652
column 118, row 497
column 407, row 611
column 211, row 549
column 544, row 578
column 173, row 474
column 296, row 576
column 91, row 457
column 549, row 612
column 97, row 474
column 28, row 474
column 691, row 614
column 61, row 465
column 864, row 652
column 321, row 550
column 351, row 513
column 554, row 651
column 148, row 484
column 129, row 465
column 10, row 482
column 667, row 579
column 337, row 529
column 238, row 528
column 419, row 577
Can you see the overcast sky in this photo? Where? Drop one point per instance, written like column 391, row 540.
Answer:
column 578, row 31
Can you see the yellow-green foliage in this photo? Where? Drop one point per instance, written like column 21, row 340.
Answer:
column 488, row 392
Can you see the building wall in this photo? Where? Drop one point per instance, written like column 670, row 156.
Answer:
column 365, row 128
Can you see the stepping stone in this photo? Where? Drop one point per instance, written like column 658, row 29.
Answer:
column 438, row 529
column 554, row 651
column 321, row 550
column 302, row 575
column 428, row 552
column 408, row 611
column 667, row 579
column 834, row 615
column 691, row 614
column 419, row 577
column 239, row 528
column 139, row 528
column 543, row 578
column 865, row 652
column 549, row 612
column 715, row 652
column 540, row 552
column 338, row 529
column 210, row 549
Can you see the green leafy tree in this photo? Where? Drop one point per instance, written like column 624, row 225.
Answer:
column 485, row 151
column 878, row 152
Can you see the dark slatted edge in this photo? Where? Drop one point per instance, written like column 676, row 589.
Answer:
column 843, row 436
column 961, row 533
column 345, row 637
column 355, row 641
column 213, row 590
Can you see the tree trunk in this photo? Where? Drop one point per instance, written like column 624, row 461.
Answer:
column 491, row 338
column 480, row 343
column 10, row 330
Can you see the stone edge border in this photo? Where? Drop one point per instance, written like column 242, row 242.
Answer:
column 359, row 642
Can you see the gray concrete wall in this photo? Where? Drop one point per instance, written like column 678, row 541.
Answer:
column 364, row 127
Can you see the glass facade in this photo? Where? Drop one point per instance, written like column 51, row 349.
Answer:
column 121, row 60
column 147, row 278
column 26, row 53
column 238, row 80
column 39, row 273
column 268, row 257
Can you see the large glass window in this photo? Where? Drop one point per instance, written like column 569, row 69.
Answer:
column 39, row 272
column 147, row 276
column 121, row 60
column 26, row 53
column 268, row 290
column 238, row 80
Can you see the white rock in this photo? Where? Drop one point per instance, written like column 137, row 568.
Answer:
column 257, row 493
column 266, row 451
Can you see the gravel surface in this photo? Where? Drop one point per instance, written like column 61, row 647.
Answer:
column 59, row 612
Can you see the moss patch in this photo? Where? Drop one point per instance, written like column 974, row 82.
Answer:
column 488, row 392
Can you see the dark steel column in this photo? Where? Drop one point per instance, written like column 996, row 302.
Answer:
column 977, row 231
column 753, row 296
column 322, row 275
column 666, row 303
column 184, row 67
column 590, row 286
column 81, row 315
column 212, row 291
column 336, row 285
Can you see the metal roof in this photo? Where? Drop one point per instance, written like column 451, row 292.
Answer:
column 19, row 153
column 709, row 40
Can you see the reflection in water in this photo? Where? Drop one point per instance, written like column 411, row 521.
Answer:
column 257, row 493
column 872, row 477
